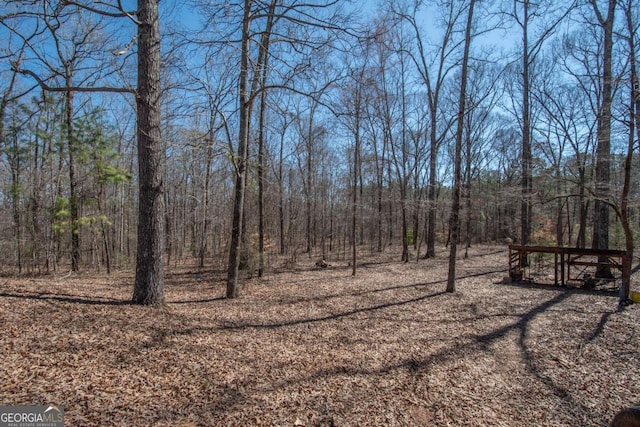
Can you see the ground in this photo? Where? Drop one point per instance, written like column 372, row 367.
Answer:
column 318, row 347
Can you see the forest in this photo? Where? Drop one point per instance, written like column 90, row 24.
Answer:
column 301, row 212
column 232, row 134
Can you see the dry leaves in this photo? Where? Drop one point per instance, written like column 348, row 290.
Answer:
column 317, row 347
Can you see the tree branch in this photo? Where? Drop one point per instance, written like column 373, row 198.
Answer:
column 47, row 87
column 122, row 13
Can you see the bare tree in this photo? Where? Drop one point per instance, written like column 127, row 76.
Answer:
column 8, row 97
column 433, row 74
column 264, row 46
column 603, row 151
column 353, row 100
column 241, row 157
column 454, row 219
column 391, row 73
column 537, row 21
column 483, row 95
column 568, row 118
column 634, row 126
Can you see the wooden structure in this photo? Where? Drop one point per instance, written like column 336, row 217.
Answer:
column 570, row 264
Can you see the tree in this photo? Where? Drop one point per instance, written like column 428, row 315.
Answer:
column 579, row 102
column 567, row 117
column 603, row 150
column 8, row 97
column 354, row 99
column 299, row 16
column 286, row 118
column 482, row 97
column 541, row 19
column 72, row 37
column 391, row 106
column 527, row 179
column 149, row 281
column 241, row 156
column 433, row 74
column 634, row 126
column 401, row 160
column 264, row 48
column 72, row 49
column 454, row 219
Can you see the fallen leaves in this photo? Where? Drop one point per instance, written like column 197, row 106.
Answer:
column 317, row 347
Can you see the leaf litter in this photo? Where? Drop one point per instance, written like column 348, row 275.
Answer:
column 317, row 347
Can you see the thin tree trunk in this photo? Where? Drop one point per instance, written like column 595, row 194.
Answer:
column 467, row 188
column 583, row 210
column 263, row 107
column 379, row 162
column 281, row 196
column 354, row 207
column 527, row 179
column 454, row 221
column 241, row 159
column 309, row 182
column 73, row 196
column 16, row 167
column 602, row 189
column 432, row 208
column 634, row 125
column 264, row 63
column 205, row 203
column 559, row 221
column 15, row 175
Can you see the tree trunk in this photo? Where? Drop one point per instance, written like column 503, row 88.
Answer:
column 432, row 207
column 527, row 179
column 264, row 63
column 467, row 187
column 405, row 230
column 354, row 201
column 583, row 210
column 149, row 281
column 379, row 163
column 241, row 159
column 15, row 171
column 15, row 163
column 309, row 182
column 263, row 107
column 602, row 189
column 454, row 221
column 624, row 210
column 634, row 126
column 281, row 195
column 560, row 208
column 73, row 196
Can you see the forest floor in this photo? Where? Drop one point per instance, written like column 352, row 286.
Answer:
column 317, row 347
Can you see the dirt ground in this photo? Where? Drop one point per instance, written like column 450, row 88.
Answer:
column 318, row 347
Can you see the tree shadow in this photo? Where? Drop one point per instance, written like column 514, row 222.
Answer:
column 527, row 284
column 196, row 301
column 72, row 299
column 275, row 325
column 597, row 331
column 389, row 288
column 463, row 349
